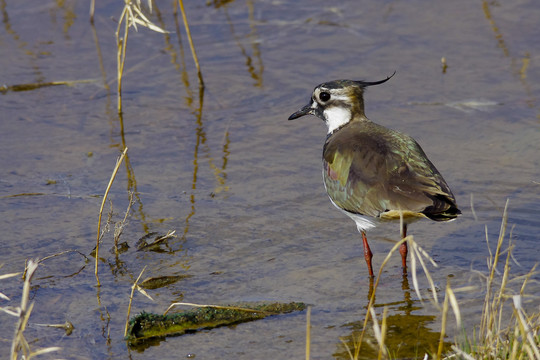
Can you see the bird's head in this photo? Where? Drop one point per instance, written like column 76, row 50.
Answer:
column 337, row 102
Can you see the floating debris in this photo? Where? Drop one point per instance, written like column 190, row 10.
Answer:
column 161, row 281
column 157, row 240
column 34, row 86
column 67, row 326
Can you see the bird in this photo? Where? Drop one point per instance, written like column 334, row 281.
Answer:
column 372, row 173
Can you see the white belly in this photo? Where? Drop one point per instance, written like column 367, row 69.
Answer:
column 363, row 223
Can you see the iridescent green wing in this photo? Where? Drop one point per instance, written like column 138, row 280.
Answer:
column 369, row 169
column 352, row 170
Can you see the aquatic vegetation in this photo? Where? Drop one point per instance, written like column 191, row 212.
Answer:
column 146, row 325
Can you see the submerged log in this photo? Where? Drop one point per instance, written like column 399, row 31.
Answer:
column 147, row 325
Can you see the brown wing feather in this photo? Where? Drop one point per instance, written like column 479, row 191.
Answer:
column 369, row 169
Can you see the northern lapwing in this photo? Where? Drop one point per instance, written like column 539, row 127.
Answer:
column 373, row 173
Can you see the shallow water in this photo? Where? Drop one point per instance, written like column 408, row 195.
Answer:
column 239, row 183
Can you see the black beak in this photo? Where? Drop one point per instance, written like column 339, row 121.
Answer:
column 306, row 110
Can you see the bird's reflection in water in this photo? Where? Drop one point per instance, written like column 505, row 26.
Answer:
column 410, row 333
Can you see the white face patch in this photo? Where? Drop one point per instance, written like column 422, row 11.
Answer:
column 336, row 116
column 340, row 97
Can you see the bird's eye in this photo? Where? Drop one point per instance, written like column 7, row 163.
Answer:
column 324, row 96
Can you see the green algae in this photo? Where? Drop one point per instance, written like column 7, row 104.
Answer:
column 147, row 325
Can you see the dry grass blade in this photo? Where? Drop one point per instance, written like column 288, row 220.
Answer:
column 526, row 279
column 473, row 211
column 170, row 234
column 443, row 321
column 308, row 333
column 113, row 176
column 376, row 328
column 380, row 331
column 351, row 356
column 142, row 291
column 490, row 257
column 134, row 15
column 7, row 276
column 61, row 253
column 462, row 353
column 212, row 306
column 455, row 306
column 141, row 19
column 192, row 47
column 92, row 9
column 121, row 44
column 414, row 277
column 10, row 310
column 44, row 351
column 490, row 305
column 131, row 16
column 143, row 245
column 526, row 332
column 382, row 348
column 419, row 253
column 133, row 287
column 119, row 226
column 19, row 343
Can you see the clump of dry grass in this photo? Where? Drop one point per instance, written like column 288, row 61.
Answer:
column 99, row 233
column 131, row 16
column 498, row 335
column 19, row 345
column 134, row 287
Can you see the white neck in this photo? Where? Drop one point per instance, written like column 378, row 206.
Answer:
column 336, row 117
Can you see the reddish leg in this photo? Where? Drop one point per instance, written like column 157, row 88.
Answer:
column 367, row 254
column 403, row 251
